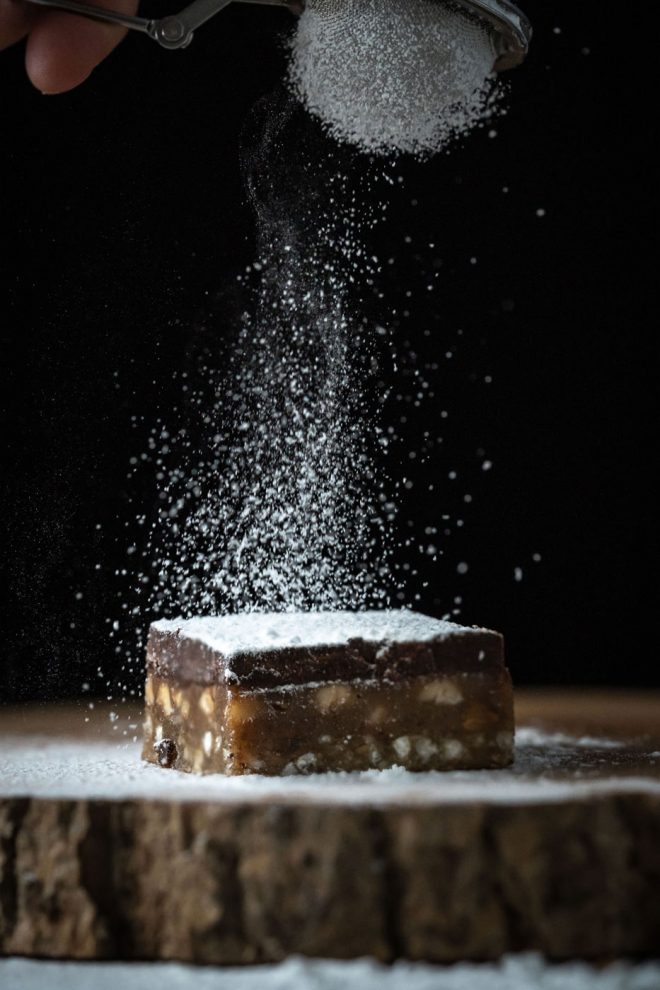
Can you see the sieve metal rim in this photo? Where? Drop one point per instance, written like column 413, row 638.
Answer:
column 511, row 30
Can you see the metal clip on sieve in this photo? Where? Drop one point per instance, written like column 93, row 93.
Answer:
column 510, row 29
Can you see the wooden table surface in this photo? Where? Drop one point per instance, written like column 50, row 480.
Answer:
column 619, row 713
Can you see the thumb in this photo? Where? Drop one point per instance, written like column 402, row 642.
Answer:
column 63, row 49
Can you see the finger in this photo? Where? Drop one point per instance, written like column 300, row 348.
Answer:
column 63, row 49
column 15, row 19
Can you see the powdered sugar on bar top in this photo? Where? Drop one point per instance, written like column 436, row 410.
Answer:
column 254, row 632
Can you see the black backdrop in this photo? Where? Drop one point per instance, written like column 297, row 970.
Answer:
column 123, row 221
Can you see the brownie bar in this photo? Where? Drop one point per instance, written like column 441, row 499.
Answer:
column 311, row 692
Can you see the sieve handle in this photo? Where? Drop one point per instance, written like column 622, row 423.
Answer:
column 171, row 32
column 98, row 14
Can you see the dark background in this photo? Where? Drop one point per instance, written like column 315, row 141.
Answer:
column 123, row 222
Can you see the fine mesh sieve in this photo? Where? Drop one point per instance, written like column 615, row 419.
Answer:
column 509, row 29
column 409, row 76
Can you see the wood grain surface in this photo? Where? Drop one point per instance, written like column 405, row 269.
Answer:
column 103, row 858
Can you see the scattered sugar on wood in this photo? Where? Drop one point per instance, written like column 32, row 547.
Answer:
column 544, row 771
column 513, row 972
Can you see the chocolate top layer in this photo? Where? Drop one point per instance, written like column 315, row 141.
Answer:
column 260, row 650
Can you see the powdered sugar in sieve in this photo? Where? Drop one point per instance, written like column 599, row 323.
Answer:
column 394, row 75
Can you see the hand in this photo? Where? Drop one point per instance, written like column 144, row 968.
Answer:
column 62, row 49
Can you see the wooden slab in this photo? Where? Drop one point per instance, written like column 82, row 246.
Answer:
column 104, row 857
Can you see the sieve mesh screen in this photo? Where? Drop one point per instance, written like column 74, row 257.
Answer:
column 393, row 75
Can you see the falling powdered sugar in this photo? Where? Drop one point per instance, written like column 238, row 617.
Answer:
column 279, row 507
column 393, row 75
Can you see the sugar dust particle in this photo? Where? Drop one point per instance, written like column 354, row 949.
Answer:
column 556, row 30
column 540, row 212
column 486, row 466
column 462, row 568
column 536, row 557
column 517, row 573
